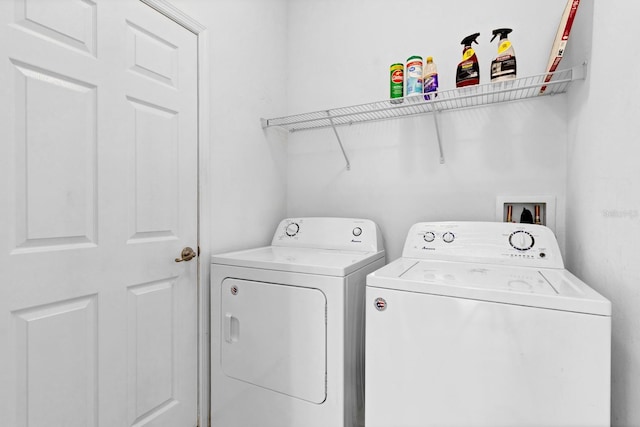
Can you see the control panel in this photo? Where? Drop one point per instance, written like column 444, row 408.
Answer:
column 484, row 242
column 329, row 233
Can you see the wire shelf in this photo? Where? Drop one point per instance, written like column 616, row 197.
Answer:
column 454, row 99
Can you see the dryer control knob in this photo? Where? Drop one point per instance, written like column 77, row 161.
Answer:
column 521, row 240
column 429, row 236
column 292, row 229
column 357, row 231
column 448, row 237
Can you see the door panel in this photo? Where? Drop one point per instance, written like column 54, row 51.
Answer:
column 56, row 133
column 70, row 23
column 57, row 359
column 156, row 170
column 152, row 56
column 151, row 352
column 275, row 337
column 98, row 105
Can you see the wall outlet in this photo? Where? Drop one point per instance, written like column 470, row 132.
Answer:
column 546, row 205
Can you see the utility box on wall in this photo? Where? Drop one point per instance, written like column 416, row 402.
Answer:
column 541, row 210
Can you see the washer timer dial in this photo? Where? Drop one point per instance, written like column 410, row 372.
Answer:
column 292, row 229
column 521, row 240
column 429, row 236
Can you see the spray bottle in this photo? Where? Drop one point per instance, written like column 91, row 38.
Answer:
column 504, row 66
column 468, row 69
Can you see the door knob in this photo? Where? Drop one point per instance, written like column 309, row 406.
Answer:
column 186, row 255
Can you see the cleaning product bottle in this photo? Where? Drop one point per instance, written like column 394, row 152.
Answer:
column 468, row 69
column 397, row 83
column 413, row 75
column 430, row 78
column 504, row 66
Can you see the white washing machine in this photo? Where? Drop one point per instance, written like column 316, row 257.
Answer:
column 287, row 326
column 479, row 324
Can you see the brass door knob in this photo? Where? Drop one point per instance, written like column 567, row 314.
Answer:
column 186, row 255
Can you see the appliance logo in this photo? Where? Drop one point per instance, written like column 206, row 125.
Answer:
column 380, row 304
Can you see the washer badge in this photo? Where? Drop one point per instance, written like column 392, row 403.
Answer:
column 380, row 304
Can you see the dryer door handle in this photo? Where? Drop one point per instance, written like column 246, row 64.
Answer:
column 231, row 328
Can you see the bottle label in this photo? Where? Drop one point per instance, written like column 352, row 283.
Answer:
column 503, row 66
column 397, row 76
column 397, row 81
column 468, row 74
column 430, row 85
column 413, row 65
column 414, row 77
column 467, row 54
column 506, row 44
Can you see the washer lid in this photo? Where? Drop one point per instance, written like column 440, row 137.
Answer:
column 555, row 289
column 300, row 260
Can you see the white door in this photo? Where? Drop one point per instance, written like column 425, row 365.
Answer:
column 98, row 197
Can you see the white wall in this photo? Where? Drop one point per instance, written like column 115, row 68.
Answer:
column 247, row 47
column 603, row 202
column 339, row 55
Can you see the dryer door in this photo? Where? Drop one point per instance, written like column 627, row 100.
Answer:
column 274, row 336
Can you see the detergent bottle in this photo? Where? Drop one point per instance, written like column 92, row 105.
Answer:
column 504, row 66
column 430, row 79
column 468, row 69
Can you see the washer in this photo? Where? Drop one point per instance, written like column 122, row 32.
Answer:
column 479, row 324
column 288, row 326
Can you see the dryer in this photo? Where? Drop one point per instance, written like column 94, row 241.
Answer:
column 480, row 324
column 287, row 325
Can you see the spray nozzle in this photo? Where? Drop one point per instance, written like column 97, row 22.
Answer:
column 504, row 32
column 470, row 39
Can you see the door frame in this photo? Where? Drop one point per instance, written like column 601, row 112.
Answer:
column 204, row 200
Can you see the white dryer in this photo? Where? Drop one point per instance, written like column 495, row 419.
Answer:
column 287, row 326
column 479, row 324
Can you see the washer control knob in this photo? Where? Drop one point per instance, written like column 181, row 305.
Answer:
column 448, row 237
column 292, row 229
column 521, row 240
column 357, row 231
column 429, row 236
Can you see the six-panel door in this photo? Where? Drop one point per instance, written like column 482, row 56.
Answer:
column 98, row 196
